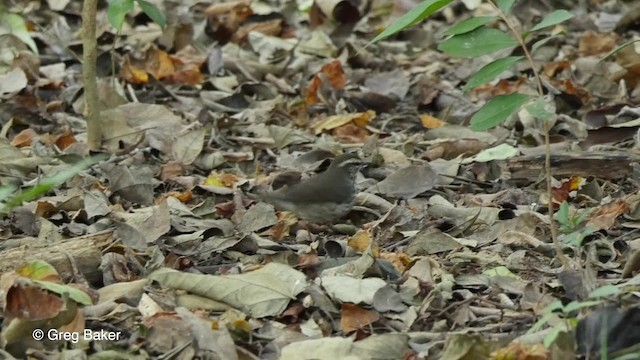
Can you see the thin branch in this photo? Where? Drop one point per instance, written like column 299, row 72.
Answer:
column 547, row 159
column 89, row 58
column 520, row 41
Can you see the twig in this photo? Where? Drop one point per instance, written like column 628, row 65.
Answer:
column 89, row 59
column 547, row 161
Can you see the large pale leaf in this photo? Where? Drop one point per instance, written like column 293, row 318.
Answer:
column 348, row 289
column 408, row 182
column 187, row 146
column 13, row 81
column 386, row 346
column 320, row 349
column 260, row 293
column 500, row 152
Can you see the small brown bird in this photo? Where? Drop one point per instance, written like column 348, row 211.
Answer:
column 322, row 198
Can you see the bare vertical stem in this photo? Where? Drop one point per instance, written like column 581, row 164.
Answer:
column 89, row 58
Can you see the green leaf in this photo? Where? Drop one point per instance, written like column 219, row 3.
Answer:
column 49, row 183
column 606, row 290
column 500, row 271
column 480, row 41
column 491, row 71
column 583, row 216
column 469, row 25
column 414, row 16
column 14, row 24
column 551, row 19
column 505, row 5
column 588, row 230
column 153, row 12
column 496, row 110
column 614, row 51
column 577, row 305
column 539, row 324
column 117, row 10
column 539, row 109
column 75, row 294
column 6, row 192
column 553, row 307
column 551, row 337
column 573, row 239
column 541, row 42
column 563, row 214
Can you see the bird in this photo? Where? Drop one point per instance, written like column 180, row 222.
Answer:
column 323, row 198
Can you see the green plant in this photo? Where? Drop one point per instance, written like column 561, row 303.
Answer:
column 118, row 9
column 474, row 37
column 15, row 25
column 11, row 196
column 573, row 226
column 568, row 313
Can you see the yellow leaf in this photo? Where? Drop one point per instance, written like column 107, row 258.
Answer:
column 431, row 122
column 332, row 122
column 213, row 181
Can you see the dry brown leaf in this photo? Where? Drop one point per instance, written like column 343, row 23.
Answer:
column 503, row 87
column 361, row 240
column 24, row 138
column 225, row 18
column 228, row 7
column 158, row 63
column 45, row 209
column 282, row 228
column 133, row 74
column 605, row 217
column 271, row 27
column 399, row 260
column 592, row 43
column 552, row 68
column 65, row 140
column 332, row 122
column 519, row 351
column 356, row 318
column 350, row 134
column 187, row 62
column 567, row 189
column 334, row 74
column 308, row 260
column 171, row 169
column 452, row 149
